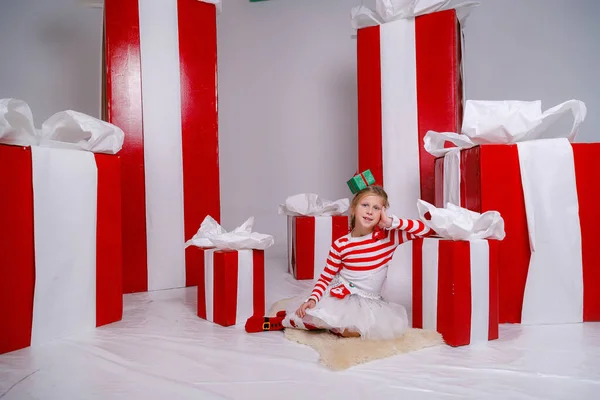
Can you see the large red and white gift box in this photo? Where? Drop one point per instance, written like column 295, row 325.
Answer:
column 60, row 243
column 231, row 285
column 161, row 89
column 309, row 241
column 455, row 289
column 409, row 81
column 547, row 193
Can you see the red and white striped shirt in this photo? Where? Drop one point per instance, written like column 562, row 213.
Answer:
column 364, row 260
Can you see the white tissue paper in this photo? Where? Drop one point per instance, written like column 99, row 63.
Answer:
column 208, row 227
column 505, row 122
column 458, row 223
column 391, row 10
column 75, row 130
column 211, row 234
column 217, row 4
column 16, row 123
column 66, row 129
column 309, row 204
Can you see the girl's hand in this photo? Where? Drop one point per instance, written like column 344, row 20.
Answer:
column 384, row 221
column 301, row 311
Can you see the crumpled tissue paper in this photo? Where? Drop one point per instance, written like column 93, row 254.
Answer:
column 66, row 129
column 310, row 204
column 392, row 10
column 211, row 234
column 458, row 223
column 505, row 121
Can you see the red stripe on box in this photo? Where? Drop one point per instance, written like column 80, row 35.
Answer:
column 258, row 277
column 368, row 66
column 437, row 38
column 304, row 250
column 109, row 256
column 17, row 268
column 454, row 292
column 124, row 109
column 494, row 251
column 417, row 283
column 588, row 193
column 195, row 256
column 491, row 177
column 339, row 227
column 225, row 287
column 199, row 125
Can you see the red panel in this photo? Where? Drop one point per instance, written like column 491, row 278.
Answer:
column 109, row 256
column 195, row 256
column 438, row 200
column 438, row 85
column 494, row 250
column 454, row 292
column 588, row 193
column 258, row 276
column 225, row 287
column 339, row 227
column 124, row 97
column 417, row 283
column 370, row 153
column 491, row 177
column 470, row 179
column 17, row 254
column 304, row 247
column 199, row 119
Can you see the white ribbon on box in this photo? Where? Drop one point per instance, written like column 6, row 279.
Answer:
column 554, row 288
column 392, row 10
column 66, row 129
column 211, row 234
column 65, row 191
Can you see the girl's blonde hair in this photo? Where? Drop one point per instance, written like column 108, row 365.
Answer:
column 368, row 191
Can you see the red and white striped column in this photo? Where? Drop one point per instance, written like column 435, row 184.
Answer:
column 409, row 82
column 161, row 89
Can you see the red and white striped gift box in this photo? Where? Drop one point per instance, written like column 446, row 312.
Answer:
column 161, row 89
column 60, row 243
column 309, row 241
column 455, row 289
column 232, row 284
column 489, row 177
column 409, row 82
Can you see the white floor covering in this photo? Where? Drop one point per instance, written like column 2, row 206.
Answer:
column 162, row 350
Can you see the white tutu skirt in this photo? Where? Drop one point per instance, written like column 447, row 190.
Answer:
column 372, row 318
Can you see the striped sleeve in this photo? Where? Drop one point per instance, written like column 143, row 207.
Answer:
column 333, row 266
column 410, row 229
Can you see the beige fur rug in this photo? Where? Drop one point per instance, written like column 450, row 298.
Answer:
column 342, row 353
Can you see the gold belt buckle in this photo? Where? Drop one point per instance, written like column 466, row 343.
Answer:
column 266, row 326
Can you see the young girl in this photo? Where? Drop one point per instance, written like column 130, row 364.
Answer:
column 346, row 299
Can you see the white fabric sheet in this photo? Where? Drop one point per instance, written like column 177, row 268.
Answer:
column 162, row 350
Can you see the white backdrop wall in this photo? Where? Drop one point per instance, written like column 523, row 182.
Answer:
column 287, row 82
column 50, row 55
column 287, row 106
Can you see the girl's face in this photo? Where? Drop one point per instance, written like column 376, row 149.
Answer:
column 368, row 212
